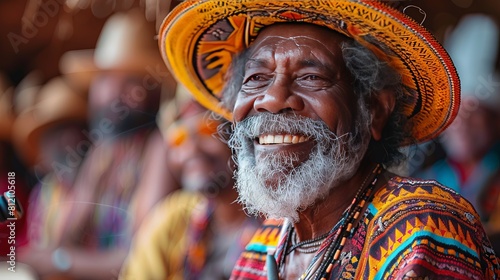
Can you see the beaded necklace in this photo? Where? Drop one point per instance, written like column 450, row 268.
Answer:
column 331, row 247
column 306, row 246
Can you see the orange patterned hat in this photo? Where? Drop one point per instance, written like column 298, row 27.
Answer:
column 198, row 40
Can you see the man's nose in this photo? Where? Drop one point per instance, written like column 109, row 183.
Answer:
column 278, row 98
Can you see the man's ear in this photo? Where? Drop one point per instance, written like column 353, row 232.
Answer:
column 381, row 107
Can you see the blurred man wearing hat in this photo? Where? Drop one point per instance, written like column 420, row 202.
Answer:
column 49, row 137
column 113, row 188
column 321, row 95
column 53, row 105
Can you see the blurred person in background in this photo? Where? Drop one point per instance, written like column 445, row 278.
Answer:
column 49, row 137
column 117, row 182
column 472, row 144
column 197, row 232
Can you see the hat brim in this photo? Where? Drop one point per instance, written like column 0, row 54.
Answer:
column 198, row 40
column 27, row 140
column 79, row 66
column 30, row 125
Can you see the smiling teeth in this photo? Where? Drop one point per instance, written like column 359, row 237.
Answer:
column 281, row 139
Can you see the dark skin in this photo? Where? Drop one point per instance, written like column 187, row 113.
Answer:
column 300, row 70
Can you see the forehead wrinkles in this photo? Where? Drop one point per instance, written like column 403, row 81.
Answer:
column 278, row 43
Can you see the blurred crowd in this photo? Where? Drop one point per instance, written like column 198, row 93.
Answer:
column 120, row 174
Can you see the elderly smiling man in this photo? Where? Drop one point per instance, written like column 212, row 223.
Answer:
column 321, row 94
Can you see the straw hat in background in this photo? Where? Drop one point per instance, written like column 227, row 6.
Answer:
column 6, row 110
column 126, row 44
column 56, row 103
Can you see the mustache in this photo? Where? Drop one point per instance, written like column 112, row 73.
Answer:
column 268, row 123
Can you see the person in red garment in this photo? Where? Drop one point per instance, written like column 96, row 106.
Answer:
column 321, row 96
column 15, row 189
column 13, row 179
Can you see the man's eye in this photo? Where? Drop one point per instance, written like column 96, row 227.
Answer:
column 313, row 81
column 255, row 77
column 311, row 77
column 256, row 80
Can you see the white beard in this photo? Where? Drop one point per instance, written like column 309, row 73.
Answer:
column 332, row 161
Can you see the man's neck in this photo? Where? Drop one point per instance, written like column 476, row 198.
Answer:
column 312, row 224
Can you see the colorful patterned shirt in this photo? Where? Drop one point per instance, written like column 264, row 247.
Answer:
column 412, row 229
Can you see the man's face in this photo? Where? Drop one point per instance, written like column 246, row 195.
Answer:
column 121, row 99
column 55, row 146
column 298, row 68
column 197, row 159
column 294, row 117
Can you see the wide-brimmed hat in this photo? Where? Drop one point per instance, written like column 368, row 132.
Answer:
column 198, row 40
column 126, row 43
column 56, row 103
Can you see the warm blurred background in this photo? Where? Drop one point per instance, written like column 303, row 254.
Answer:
column 56, row 27
column 80, row 125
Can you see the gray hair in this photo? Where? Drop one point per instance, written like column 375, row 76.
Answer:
column 370, row 75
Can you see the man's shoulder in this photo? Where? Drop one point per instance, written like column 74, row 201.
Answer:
column 415, row 223
column 418, row 202
column 419, row 191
